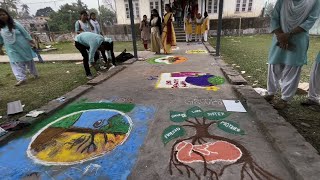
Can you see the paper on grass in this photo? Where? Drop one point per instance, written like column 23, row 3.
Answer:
column 234, row 106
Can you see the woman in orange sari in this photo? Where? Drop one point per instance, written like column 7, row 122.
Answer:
column 168, row 33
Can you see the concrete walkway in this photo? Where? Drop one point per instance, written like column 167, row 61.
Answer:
column 177, row 132
column 71, row 56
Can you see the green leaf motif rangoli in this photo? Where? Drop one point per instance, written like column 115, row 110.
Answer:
column 230, row 127
column 217, row 80
column 195, row 112
column 178, row 116
column 172, row 132
column 216, row 115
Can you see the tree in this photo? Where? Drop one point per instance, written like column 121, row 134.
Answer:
column 268, row 9
column 25, row 13
column 64, row 19
column 10, row 6
column 110, row 5
column 44, row 11
column 108, row 16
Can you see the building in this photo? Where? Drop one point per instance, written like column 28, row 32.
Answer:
column 38, row 24
column 232, row 8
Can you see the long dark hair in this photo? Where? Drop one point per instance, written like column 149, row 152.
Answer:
column 170, row 8
column 159, row 19
column 10, row 22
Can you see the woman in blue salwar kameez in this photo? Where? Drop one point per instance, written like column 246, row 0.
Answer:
column 290, row 22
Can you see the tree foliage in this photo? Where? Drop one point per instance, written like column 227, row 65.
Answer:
column 44, row 11
column 11, row 7
column 64, row 19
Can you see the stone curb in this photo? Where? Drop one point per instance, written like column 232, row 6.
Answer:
column 233, row 76
column 49, row 109
column 299, row 156
column 105, row 76
column 209, row 47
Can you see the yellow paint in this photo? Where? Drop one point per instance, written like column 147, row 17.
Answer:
column 213, row 88
column 199, row 51
column 61, row 151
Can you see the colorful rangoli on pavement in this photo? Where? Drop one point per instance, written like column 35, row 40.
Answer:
column 167, row 60
column 206, row 154
column 82, row 141
column 198, row 51
column 189, row 80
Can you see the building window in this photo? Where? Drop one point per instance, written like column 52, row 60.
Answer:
column 136, row 9
column 238, row 5
column 250, row 6
column 212, row 6
column 154, row 4
column 244, row 5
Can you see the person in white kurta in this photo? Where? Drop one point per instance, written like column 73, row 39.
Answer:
column 314, row 86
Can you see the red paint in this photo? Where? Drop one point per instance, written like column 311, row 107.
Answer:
column 220, row 151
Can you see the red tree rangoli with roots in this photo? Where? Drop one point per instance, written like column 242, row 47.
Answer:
column 205, row 150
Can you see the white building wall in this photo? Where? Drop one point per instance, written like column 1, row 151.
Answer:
column 228, row 11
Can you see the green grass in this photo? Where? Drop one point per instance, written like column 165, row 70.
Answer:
column 251, row 54
column 68, row 47
column 54, row 82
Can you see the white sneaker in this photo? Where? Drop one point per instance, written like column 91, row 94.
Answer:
column 113, row 66
column 90, row 77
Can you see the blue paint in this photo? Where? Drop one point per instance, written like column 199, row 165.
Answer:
column 115, row 165
column 88, row 118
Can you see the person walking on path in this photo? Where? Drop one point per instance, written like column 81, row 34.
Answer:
column 18, row 44
column 155, row 23
column 145, row 32
column 198, row 32
column 83, row 25
column 168, row 33
column 314, row 87
column 205, row 26
column 178, row 13
column 188, row 28
column 291, row 21
column 88, row 41
column 95, row 23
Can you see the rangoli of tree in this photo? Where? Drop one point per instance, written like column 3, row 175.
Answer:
column 79, row 137
column 204, row 149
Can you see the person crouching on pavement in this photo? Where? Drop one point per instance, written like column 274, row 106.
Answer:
column 91, row 42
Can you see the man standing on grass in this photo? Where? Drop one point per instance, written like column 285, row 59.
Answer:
column 88, row 41
column 290, row 22
column 314, row 87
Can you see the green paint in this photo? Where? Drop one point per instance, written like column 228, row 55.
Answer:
column 230, row 127
column 116, row 125
column 75, row 108
column 178, row 116
column 217, row 80
column 171, row 133
column 195, row 112
column 153, row 60
column 216, row 115
column 67, row 122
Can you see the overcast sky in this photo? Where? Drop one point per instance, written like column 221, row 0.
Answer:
column 34, row 5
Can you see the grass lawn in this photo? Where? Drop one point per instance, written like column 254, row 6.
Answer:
column 68, row 47
column 54, row 82
column 251, row 54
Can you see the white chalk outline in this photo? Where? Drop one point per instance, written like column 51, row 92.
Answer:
column 37, row 161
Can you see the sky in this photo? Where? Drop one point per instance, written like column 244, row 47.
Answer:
column 34, row 5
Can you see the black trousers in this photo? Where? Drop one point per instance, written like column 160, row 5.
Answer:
column 84, row 52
